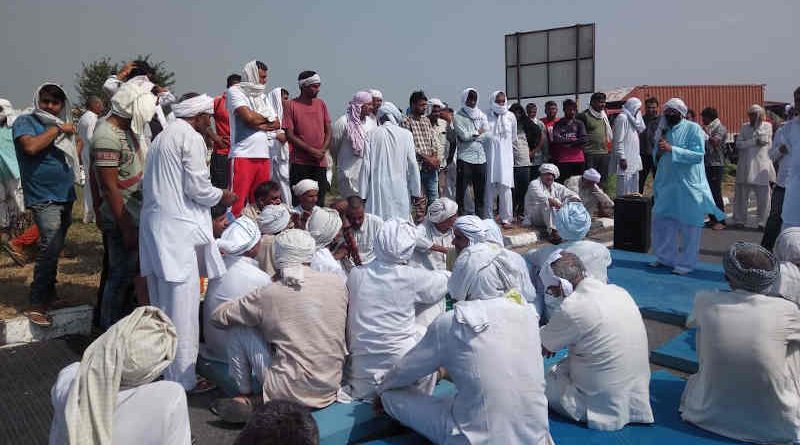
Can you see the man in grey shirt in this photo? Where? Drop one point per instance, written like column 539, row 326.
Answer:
column 715, row 160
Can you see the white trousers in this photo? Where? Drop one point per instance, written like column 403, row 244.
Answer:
column 181, row 303
column 496, row 190
column 741, row 201
column 675, row 244
column 10, row 201
column 88, row 208
column 627, row 184
column 559, row 387
column 280, row 174
column 248, row 357
column 427, row 415
column 450, row 190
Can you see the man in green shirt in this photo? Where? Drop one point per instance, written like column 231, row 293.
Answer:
column 598, row 131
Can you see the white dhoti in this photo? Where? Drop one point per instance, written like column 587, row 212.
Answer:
column 181, row 303
column 675, row 244
column 628, row 184
column 248, row 357
column 742, row 199
column 496, row 190
column 427, row 415
column 541, row 215
column 563, row 396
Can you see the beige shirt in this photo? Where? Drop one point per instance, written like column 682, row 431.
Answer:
column 305, row 330
column 264, row 256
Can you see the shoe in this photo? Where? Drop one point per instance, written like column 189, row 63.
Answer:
column 680, row 271
column 16, row 255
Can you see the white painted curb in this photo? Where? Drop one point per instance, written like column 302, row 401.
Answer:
column 66, row 321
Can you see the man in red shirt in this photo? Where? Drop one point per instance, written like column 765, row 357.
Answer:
column 221, row 136
column 308, row 129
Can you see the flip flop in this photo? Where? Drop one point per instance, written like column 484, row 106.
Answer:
column 38, row 317
column 18, row 258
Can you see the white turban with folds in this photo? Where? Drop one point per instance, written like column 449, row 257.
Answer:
column 436, row 102
column 441, row 209
column 592, row 175
column 324, row 225
column 273, row 219
column 376, row 93
column 486, row 271
column 549, row 168
column 135, row 101
column 291, row 249
column 389, row 110
column 304, row 186
column 193, row 106
column 677, row 105
column 239, row 237
column 573, row 221
column 395, row 241
column 493, row 233
column 549, row 278
column 472, row 227
column 631, row 109
column 313, row 80
column 787, row 246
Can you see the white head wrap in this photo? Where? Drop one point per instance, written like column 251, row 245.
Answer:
column 239, row 237
column 313, row 80
column 787, row 246
column 302, row 187
column 592, row 175
column 134, row 100
column 472, row 227
column 8, row 112
column 500, row 127
column 273, row 219
column 441, row 209
column 549, row 278
column 549, row 168
column 436, row 102
column 677, row 105
column 632, row 109
column 291, row 249
column 133, row 352
column 376, row 93
column 391, row 111
column 64, row 142
column 573, row 221
column 395, row 242
column 324, row 225
column 193, row 106
column 477, row 116
column 482, row 272
column 758, row 110
column 250, row 84
column 493, row 233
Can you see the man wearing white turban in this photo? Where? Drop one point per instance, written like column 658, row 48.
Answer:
column 324, row 225
column 273, row 219
column 754, row 169
column 350, row 133
column 544, row 198
column 587, row 186
column 377, row 100
column 306, row 193
column 604, row 381
column 110, row 397
column 680, row 191
column 480, row 345
column 176, row 243
column 139, row 72
column 500, row 159
column 435, row 235
column 381, row 317
column 302, row 318
column 252, row 119
column 390, row 177
column 787, row 252
column 625, row 159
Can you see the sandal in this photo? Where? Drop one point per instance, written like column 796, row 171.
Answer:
column 38, row 317
column 202, row 386
column 17, row 256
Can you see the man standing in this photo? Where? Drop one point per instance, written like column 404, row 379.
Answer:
column 45, row 144
column 567, row 139
column 681, row 193
column 253, row 118
column 377, row 100
column 754, row 169
column 349, row 138
column 175, row 229
column 221, row 136
column 540, row 149
column 86, row 125
column 779, row 153
column 441, row 121
column 308, row 129
column 471, row 127
column 647, row 141
column 390, row 174
column 791, row 139
column 626, row 160
column 599, row 133
column 424, row 144
column 500, row 159
column 715, row 160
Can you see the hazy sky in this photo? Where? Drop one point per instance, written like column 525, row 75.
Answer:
column 441, row 46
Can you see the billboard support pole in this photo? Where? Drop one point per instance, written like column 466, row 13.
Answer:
column 519, row 94
column 577, row 63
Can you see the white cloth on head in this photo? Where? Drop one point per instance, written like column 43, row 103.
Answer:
column 549, row 168
column 787, row 245
column 254, row 90
column 395, row 242
column 134, row 100
column 376, row 93
column 493, row 232
column 442, row 209
column 436, row 102
column 308, row 81
column 324, row 225
column 632, row 110
column 573, row 221
column 477, row 116
column 472, row 227
column 304, row 186
column 273, row 219
column 499, row 125
column 239, row 237
column 202, row 104
column 391, row 111
column 592, row 175
column 291, row 250
column 483, row 271
column 678, row 105
column 64, row 142
column 133, row 352
column 550, row 279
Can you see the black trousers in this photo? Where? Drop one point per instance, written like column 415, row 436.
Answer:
column 522, row 177
column 648, row 167
column 568, row 169
column 714, row 176
column 774, row 222
column 470, row 174
column 298, row 172
column 220, row 168
column 600, row 163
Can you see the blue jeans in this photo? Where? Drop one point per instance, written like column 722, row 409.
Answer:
column 119, row 296
column 53, row 220
column 429, row 180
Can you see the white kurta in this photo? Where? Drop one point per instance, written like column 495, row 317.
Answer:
column 381, row 325
column 500, row 166
column 498, row 374
column 389, row 174
column 747, row 385
column 323, row 261
column 86, row 125
column 592, row 197
column 788, row 283
column 754, row 165
column 791, row 202
column 348, row 165
column 427, row 237
column 605, row 379
column 538, row 211
column 365, row 237
column 625, row 145
column 151, row 414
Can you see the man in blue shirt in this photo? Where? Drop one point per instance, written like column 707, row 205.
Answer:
column 47, row 182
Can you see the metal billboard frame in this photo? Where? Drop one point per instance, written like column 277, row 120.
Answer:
column 547, row 62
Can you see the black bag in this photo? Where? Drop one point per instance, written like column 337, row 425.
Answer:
column 632, row 223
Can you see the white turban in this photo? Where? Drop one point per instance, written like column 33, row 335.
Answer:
column 472, row 227
column 493, row 233
column 677, row 105
column 313, row 80
column 395, row 241
column 442, row 209
column 292, row 248
column 273, row 219
column 193, row 106
column 549, row 168
column 787, row 246
column 376, row 93
column 304, row 186
column 135, row 101
column 239, row 237
column 549, row 278
column 483, row 272
column 631, row 109
column 573, row 221
column 391, row 111
column 324, row 225
column 592, row 175
column 436, row 102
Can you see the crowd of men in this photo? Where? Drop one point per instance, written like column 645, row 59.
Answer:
column 321, row 299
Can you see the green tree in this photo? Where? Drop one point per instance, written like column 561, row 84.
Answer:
column 89, row 81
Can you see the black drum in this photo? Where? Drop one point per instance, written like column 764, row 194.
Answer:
column 632, row 223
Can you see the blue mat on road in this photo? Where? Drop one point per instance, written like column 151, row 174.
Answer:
column 660, row 294
column 665, row 395
column 678, row 353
